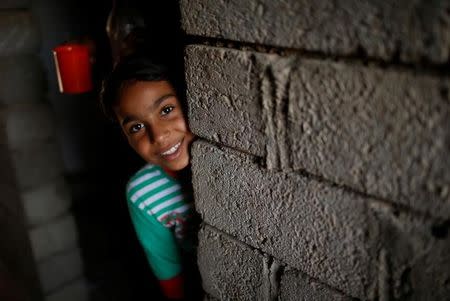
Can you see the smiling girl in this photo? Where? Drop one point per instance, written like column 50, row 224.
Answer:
column 141, row 96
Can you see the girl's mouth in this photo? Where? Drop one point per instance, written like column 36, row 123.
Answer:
column 173, row 152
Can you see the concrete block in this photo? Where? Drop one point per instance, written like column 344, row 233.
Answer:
column 26, row 125
column 296, row 286
column 380, row 131
column 230, row 270
column 297, row 220
column 22, row 79
column 59, row 270
column 344, row 239
column 383, row 132
column 56, row 236
column 19, row 33
column 413, row 256
column 45, row 202
column 380, row 29
column 10, row 200
column 16, row 257
column 37, row 165
column 209, row 298
column 222, row 93
column 77, row 290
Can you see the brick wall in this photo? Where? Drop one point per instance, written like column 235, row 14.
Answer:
column 39, row 239
column 322, row 166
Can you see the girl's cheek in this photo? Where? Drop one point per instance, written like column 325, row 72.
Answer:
column 182, row 123
column 136, row 143
column 131, row 141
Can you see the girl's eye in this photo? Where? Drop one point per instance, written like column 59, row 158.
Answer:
column 135, row 128
column 167, row 110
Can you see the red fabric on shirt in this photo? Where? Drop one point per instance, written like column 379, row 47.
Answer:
column 173, row 287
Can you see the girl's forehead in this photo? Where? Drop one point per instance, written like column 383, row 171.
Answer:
column 145, row 91
column 143, row 96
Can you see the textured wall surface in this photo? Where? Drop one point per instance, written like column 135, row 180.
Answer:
column 409, row 30
column 383, row 132
column 322, row 167
column 16, row 258
column 39, row 239
column 18, row 39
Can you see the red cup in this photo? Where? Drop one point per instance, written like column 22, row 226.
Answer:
column 73, row 68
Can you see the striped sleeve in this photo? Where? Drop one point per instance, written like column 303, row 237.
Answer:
column 152, row 195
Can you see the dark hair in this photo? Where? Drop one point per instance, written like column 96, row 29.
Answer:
column 129, row 70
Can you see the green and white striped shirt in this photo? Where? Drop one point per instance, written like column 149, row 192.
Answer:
column 159, row 212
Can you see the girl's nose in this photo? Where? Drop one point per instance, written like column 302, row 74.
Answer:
column 158, row 134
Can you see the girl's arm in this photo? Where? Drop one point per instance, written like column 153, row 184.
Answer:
column 161, row 250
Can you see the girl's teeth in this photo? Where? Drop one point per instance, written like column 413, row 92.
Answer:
column 172, row 150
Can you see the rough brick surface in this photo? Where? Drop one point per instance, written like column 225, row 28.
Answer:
column 16, row 258
column 18, row 33
column 57, row 236
column 46, row 202
column 380, row 131
column 230, row 270
column 209, row 298
column 359, row 245
column 60, row 269
column 15, row 249
column 77, row 290
column 223, row 98
column 37, row 165
column 413, row 30
column 10, row 200
column 413, row 256
column 296, row 286
column 21, row 79
column 28, row 124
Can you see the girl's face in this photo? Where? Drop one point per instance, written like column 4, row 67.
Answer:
column 152, row 119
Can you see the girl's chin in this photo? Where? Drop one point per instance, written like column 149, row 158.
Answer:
column 176, row 165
